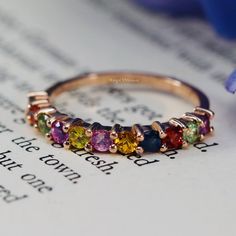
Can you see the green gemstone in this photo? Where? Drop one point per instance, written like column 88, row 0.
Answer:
column 191, row 133
column 77, row 137
column 42, row 123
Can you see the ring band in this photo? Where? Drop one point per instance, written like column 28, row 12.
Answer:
column 176, row 133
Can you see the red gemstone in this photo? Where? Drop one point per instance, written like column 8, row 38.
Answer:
column 31, row 112
column 174, row 138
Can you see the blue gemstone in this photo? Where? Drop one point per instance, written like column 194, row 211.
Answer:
column 152, row 141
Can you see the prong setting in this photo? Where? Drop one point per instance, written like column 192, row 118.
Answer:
column 212, row 129
column 50, row 121
column 113, row 135
column 139, row 150
column 66, row 127
column 88, row 147
column 48, row 136
column 89, row 133
column 177, row 122
column 138, row 132
column 201, row 137
column 156, row 125
column 113, row 148
column 203, row 111
column 114, row 131
column 185, row 144
column 191, row 117
column 163, row 148
column 66, row 145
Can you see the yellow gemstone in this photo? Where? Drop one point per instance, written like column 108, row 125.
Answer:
column 77, row 137
column 126, row 142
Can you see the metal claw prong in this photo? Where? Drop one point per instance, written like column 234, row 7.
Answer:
column 212, row 129
column 203, row 111
column 47, row 111
column 156, row 125
column 66, row 144
column 113, row 148
column 41, row 103
column 88, row 147
column 140, row 137
column 28, row 118
column 48, row 136
column 176, row 122
column 201, row 137
column 57, row 117
column 139, row 150
column 88, row 132
column 113, row 135
column 191, row 117
column 185, row 144
column 137, row 130
column 35, row 96
column 94, row 126
column 36, row 116
column 49, row 122
column 163, row 148
column 66, row 127
column 114, row 131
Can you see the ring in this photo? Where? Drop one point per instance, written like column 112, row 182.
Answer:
column 75, row 133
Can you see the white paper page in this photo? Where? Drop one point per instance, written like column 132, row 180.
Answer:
column 190, row 193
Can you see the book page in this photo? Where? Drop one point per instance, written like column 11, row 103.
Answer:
column 187, row 192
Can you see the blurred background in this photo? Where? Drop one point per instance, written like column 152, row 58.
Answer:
column 220, row 13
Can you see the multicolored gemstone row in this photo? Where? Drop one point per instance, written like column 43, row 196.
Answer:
column 75, row 133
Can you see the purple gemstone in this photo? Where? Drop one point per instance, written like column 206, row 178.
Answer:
column 205, row 128
column 58, row 135
column 101, row 140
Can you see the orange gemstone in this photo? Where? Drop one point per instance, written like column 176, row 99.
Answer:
column 126, row 142
column 31, row 112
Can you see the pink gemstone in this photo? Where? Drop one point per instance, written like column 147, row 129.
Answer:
column 101, row 140
column 58, row 135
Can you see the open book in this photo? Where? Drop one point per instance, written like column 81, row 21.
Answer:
column 46, row 190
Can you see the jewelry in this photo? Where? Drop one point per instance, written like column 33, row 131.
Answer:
column 176, row 133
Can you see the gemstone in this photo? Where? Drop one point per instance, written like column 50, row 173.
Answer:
column 126, row 142
column 151, row 142
column 42, row 123
column 77, row 137
column 191, row 133
column 31, row 112
column 101, row 140
column 174, row 138
column 205, row 127
column 58, row 135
